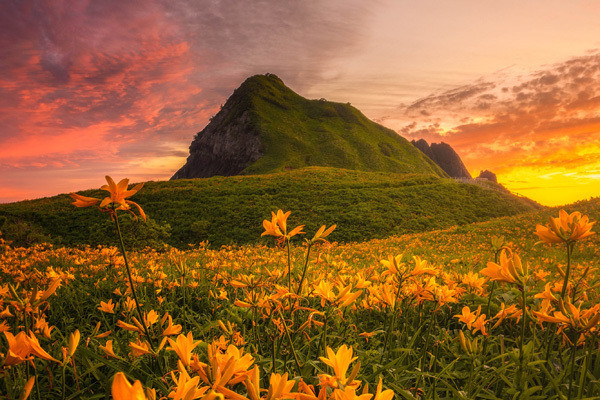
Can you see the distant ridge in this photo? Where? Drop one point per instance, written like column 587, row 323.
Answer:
column 445, row 157
column 265, row 127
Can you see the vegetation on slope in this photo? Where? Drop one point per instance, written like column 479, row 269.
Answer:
column 296, row 132
column 226, row 210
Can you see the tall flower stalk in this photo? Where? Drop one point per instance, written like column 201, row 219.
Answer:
column 111, row 204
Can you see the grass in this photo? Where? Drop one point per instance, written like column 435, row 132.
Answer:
column 230, row 210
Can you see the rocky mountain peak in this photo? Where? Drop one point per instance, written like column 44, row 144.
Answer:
column 444, row 155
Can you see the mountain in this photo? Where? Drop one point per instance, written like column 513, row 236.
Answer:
column 445, row 157
column 266, row 127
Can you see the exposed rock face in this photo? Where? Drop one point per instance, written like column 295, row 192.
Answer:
column 489, row 175
column 224, row 147
column 444, row 156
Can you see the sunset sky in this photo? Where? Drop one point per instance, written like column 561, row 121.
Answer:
column 89, row 88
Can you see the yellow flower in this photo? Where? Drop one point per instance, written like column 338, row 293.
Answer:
column 383, row 395
column 73, row 342
column 322, row 233
column 108, row 307
column 27, row 388
column 118, row 195
column 278, row 226
column 183, row 346
column 20, row 348
column 123, row 390
column 171, row 329
column 108, row 349
column 566, row 228
column 510, row 270
column 340, row 362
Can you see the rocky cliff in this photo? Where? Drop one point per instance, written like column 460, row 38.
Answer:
column 444, row 155
column 225, row 147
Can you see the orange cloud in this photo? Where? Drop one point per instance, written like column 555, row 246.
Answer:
column 539, row 133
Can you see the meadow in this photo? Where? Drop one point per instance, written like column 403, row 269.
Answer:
column 481, row 311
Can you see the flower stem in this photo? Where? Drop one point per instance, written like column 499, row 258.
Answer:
column 392, row 322
column 566, row 281
column 137, row 304
column 573, row 350
column 522, row 338
column 289, row 259
column 304, row 269
column 287, row 334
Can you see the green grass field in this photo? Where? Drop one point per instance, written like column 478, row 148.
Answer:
column 230, row 210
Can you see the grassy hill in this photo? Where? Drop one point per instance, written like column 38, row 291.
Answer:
column 226, row 210
column 295, row 132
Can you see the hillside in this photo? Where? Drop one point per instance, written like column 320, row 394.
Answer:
column 226, row 210
column 265, row 127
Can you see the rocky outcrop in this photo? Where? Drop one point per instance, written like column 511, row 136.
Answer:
column 489, row 175
column 444, row 155
column 225, row 147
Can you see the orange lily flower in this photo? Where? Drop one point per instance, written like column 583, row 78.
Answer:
column 383, row 395
column 183, row 346
column 118, row 195
column 510, row 270
column 340, row 362
column 20, row 347
column 322, row 233
column 108, row 349
column 107, row 307
column 74, row 342
column 187, row 387
column 278, row 226
column 566, row 228
column 27, row 389
column 123, row 390
column 139, row 348
column 171, row 329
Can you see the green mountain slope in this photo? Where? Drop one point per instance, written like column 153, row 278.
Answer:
column 226, row 210
column 266, row 127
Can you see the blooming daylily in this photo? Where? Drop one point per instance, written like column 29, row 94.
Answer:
column 183, row 346
column 123, row 390
column 509, row 270
column 108, row 349
column 21, row 346
column 118, row 196
column 566, row 228
column 107, row 307
column 339, row 362
column 278, row 226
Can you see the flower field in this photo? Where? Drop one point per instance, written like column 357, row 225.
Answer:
column 496, row 310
